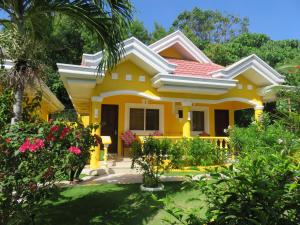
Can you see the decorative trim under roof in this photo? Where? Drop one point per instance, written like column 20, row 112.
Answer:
column 250, row 62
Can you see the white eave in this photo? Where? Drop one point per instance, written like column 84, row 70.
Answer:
column 179, row 38
column 254, row 63
column 192, row 84
column 135, row 48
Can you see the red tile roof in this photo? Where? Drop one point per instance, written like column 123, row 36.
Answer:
column 193, row 68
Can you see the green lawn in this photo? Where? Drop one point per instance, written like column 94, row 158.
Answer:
column 113, row 204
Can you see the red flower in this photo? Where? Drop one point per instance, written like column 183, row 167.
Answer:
column 74, row 150
column 32, row 147
column 7, row 140
column 54, row 129
column 298, row 67
column 64, row 132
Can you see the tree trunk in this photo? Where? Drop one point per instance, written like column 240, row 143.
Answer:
column 17, row 106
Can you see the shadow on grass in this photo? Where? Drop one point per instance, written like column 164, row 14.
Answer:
column 108, row 204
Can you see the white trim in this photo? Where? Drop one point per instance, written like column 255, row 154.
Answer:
column 250, row 62
column 144, row 106
column 167, row 99
column 137, row 48
column 178, row 37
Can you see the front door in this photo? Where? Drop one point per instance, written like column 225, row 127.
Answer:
column 221, row 122
column 109, row 125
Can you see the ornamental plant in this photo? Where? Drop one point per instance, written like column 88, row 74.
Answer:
column 149, row 158
column 128, row 137
column 34, row 157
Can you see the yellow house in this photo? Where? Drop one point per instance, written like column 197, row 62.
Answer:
column 49, row 104
column 169, row 86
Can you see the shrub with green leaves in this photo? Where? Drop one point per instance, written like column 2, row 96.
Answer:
column 149, row 157
column 33, row 158
column 195, row 152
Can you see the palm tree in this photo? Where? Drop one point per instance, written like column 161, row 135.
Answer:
column 26, row 23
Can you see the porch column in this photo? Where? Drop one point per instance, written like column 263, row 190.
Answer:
column 186, row 128
column 258, row 110
column 96, row 118
column 231, row 117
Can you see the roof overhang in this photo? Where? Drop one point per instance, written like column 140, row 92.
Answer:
column 142, row 54
column 192, row 84
column 254, row 69
column 182, row 44
column 54, row 105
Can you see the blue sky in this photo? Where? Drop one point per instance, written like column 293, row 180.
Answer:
column 280, row 19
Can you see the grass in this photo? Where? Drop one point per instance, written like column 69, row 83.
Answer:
column 113, row 204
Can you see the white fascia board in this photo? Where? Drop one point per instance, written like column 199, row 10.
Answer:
column 194, row 90
column 187, row 44
column 77, row 70
column 250, row 62
column 189, row 81
column 134, row 46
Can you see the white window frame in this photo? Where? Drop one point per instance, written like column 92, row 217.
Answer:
column 128, row 106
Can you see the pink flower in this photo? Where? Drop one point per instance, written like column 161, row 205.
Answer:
column 64, row 132
column 25, row 145
column 74, row 150
column 32, row 147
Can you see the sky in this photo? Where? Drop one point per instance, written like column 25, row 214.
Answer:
column 279, row 19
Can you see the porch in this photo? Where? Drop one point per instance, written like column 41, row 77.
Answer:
column 168, row 119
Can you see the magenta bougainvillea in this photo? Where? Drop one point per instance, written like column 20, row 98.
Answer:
column 74, row 150
column 128, row 138
column 32, row 146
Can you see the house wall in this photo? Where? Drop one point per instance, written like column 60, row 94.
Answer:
column 172, row 125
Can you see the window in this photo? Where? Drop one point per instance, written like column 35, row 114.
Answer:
column 180, row 113
column 198, row 121
column 144, row 119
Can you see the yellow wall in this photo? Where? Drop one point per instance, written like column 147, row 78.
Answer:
column 172, row 125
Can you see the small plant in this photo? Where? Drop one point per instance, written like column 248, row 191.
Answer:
column 150, row 157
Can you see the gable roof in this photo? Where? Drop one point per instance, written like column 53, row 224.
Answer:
column 139, row 51
column 252, row 62
column 186, row 44
column 193, row 68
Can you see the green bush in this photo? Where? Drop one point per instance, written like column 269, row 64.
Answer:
column 264, row 137
column 195, row 152
column 33, row 158
column 150, row 158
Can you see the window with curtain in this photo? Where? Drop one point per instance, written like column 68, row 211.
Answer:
column 144, row 119
column 197, row 121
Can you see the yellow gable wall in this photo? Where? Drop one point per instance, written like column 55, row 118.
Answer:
column 171, row 53
column 172, row 125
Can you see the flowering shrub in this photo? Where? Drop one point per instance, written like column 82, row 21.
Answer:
column 128, row 138
column 33, row 158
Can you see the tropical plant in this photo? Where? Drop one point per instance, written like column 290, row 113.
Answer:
column 33, row 158
column 26, row 24
column 195, row 152
column 150, row 157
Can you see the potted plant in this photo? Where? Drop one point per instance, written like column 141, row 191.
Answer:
column 127, row 139
column 149, row 157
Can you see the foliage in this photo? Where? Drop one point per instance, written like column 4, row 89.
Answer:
column 28, row 25
column 138, row 30
column 211, row 26
column 273, row 52
column 260, row 190
column 33, row 157
column 150, row 157
column 268, row 138
column 158, row 33
column 6, row 102
column 195, row 152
